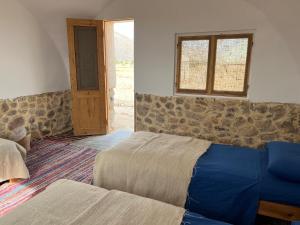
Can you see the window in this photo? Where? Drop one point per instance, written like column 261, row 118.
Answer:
column 214, row 64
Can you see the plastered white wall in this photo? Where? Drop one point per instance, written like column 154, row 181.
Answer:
column 275, row 67
column 29, row 61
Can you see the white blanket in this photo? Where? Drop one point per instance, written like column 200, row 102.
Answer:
column 12, row 156
column 72, row 203
column 157, row 166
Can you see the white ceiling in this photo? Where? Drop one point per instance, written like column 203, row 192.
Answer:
column 52, row 14
column 284, row 16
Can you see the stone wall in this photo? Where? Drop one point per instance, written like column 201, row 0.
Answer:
column 42, row 115
column 236, row 122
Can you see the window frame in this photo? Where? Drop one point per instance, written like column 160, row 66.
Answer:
column 213, row 39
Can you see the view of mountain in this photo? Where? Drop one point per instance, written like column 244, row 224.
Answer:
column 124, row 48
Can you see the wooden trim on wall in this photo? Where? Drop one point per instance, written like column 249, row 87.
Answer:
column 212, row 64
column 247, row 69
column 210, row 80
column 178, row 65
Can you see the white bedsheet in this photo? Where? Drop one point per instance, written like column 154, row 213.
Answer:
column 157, row 166
column 12, row 161
column 72, row 203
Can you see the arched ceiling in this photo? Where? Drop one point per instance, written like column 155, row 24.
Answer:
column 284, row 16
column 51, row 14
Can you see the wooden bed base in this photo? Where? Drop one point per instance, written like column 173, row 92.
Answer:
column 15, row 180
column 279, row 211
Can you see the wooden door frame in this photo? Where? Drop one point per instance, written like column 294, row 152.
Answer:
column 101, row 65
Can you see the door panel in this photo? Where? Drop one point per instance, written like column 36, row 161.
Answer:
column 86, row 53
column 88, row 78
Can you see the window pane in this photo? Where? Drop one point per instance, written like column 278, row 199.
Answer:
column 194, row 61
column 230, row 67
column 86, row 57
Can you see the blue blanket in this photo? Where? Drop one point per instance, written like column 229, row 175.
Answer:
column 196, row 219
column 226, row 184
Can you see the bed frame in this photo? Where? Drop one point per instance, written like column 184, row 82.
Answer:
column 14, row 180
column 279, row 211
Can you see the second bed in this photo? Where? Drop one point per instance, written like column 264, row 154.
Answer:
column 226, row 183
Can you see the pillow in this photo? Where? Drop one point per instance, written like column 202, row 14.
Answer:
column 284, row 160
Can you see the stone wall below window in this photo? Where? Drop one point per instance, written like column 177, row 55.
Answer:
column 42, row 115
column 227, row 121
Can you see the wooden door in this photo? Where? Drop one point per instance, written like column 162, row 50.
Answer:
column 87, row 74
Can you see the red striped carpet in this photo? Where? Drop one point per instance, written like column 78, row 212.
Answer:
column 49, row 160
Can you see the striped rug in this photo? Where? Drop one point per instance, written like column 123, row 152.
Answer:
column 49, row 160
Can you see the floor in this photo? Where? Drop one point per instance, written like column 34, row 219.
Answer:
column 103, row 142
column 123, row 118
column 123, row 104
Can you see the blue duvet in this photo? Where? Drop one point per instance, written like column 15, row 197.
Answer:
column 196, row 219
column 226, row 184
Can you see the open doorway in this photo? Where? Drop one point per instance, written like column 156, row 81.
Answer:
column 120, row 73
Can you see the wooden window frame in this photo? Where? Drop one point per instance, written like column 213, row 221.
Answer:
column 213, row 39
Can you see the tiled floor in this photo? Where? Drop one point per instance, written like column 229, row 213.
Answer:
column 105, row 141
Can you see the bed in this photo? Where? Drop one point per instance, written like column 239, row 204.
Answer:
column 229, row 180
column 12, row 161
column 68, row 202
column 230, row 166
column 279, row 198
column 228, row 183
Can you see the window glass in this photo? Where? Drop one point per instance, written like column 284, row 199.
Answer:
column 86, row 57
column 194, row 64
column 230, row 67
